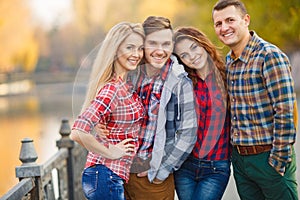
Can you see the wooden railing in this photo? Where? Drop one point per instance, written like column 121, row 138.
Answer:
column 58, row 178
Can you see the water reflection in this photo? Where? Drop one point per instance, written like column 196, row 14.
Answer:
column 13, row 129
column 36, row 115
column 16, row 87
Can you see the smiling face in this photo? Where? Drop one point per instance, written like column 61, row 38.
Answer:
column 129, row 54
column 158, row 48
column 191, row 54
column 231, row 27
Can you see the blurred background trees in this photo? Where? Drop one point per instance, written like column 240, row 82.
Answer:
column 28, row 46
column 18, row 47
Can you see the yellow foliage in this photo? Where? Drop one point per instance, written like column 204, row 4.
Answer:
column 166, row 8
column 109, row 12
column 28, row 55
column 15, row 32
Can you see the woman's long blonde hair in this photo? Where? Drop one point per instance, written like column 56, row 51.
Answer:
column 103, row 66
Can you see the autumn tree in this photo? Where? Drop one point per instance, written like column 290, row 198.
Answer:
column 19, row 49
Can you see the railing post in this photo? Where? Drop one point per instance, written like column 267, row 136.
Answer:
column 30, row 168
column 66, row 142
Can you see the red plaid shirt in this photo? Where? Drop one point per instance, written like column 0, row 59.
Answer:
column 213, row 121
column 122, row 112
column 149, row 90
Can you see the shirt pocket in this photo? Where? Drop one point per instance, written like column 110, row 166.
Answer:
column 218, row 103
column 153, row 107
column 254, row 83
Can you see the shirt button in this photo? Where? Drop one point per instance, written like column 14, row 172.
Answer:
column 232, row 82
column 234, row 117
column 233, row 99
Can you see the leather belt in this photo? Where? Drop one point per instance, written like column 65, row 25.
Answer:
column 253, row 150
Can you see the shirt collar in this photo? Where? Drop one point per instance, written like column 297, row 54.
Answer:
column 244, row 57
column 163, row 72
column 128, row 86
column 194, row 74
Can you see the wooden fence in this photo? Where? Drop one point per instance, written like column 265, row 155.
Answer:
column 58, row 178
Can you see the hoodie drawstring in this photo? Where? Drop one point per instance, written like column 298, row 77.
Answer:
column 178, row 100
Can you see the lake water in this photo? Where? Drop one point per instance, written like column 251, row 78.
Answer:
column 38, row 116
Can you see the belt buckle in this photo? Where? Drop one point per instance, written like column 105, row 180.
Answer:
column 238, row 149
column 254, row 150
column 245, row 152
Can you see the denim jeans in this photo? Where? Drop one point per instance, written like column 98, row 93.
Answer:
column 99, row 182
column 202, row 179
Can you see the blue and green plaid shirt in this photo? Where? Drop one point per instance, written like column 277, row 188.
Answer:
column 262, row 94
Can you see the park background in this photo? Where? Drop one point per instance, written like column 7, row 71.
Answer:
column 43, row 43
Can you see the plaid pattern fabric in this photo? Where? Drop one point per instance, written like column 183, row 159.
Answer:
column 262, row 95
column 176, row 124
column 213, row 122
column 122, row 112
column 149, row 90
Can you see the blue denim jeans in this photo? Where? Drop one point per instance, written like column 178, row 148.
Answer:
column 99, row 182
column 202, row 179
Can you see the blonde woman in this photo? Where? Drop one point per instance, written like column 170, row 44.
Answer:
column 110, row 101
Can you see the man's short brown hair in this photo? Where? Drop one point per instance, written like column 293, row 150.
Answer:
column 156, row 23
column 221, row 4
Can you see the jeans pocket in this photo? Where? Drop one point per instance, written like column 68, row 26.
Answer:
column 89, row 181
column 222, row 168
column 117, row 187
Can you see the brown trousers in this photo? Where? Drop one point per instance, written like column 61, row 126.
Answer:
column 139, row 188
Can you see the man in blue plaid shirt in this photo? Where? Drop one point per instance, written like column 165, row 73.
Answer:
column 262, row 99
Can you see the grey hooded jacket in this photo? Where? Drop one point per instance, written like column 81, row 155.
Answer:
column 176, row 131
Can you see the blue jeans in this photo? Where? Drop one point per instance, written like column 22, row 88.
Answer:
column 99, row 182
column 202, row 179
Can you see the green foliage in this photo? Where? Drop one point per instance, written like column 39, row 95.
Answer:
column 277, row 22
